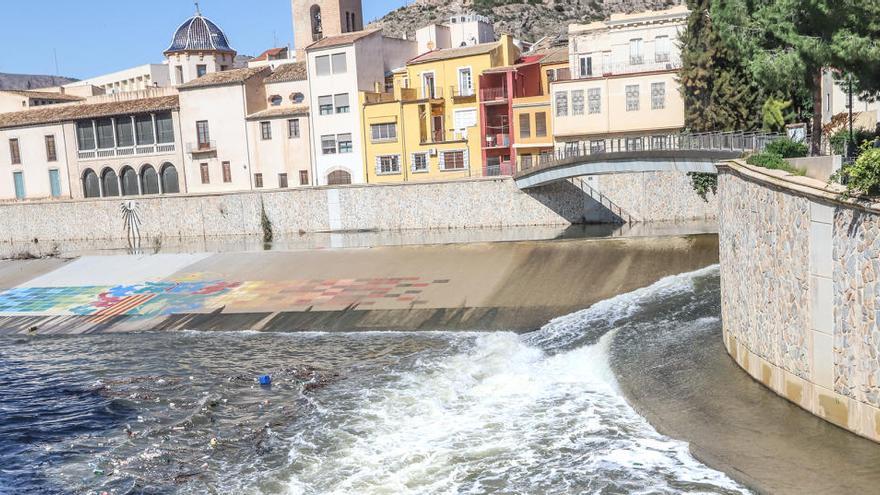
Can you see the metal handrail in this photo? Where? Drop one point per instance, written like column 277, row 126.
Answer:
column 604, row 200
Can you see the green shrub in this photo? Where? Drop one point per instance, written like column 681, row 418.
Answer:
column 703, row 183
column 786, row 148
column 862, row 177
column 773, row 161
column 839, row 139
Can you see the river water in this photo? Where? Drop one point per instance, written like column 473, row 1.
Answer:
column 353, row 413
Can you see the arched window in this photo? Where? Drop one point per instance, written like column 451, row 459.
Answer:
column 149, row 180
column 170, row 184
column 297, row 97
column 338, row 177
column 317, row 29
column 275, row 100
column 129, row 182
column 91, row 185
column 110, row 182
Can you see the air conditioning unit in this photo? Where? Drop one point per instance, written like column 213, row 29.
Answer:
column 432, row 152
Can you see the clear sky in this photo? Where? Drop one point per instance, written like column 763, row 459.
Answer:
column 93, row 37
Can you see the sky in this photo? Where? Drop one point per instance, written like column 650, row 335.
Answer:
column 94, row 37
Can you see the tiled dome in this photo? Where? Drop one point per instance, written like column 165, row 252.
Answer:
column 199, row 34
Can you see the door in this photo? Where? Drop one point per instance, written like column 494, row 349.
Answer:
column 428, row 85
column 55, row 183
column 437, row 125
column 18, row 178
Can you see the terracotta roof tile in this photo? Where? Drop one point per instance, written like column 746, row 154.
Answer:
column 67, row 113
column 450, row 53
column 271, row 52
column 43, row 94
column 234, row 76
column 342, row 39
column 289, row 72
column 280, row 112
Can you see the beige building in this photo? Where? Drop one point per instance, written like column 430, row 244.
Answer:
column 14, row 100
column 314, row 20
column 621, row 89
column 836, row 101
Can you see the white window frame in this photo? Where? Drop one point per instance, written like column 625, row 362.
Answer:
column 636, row 52
column 560, row 110
column 658, row 98
column 396, row 165
column 662, row 49
column 380, row 125
column 462, row 91
column 337, row 107
column 465, row 159
column 344, row 60
column 350, row 141
column 630, row 105
column 329, row 65
column 578, row 107
column 585, row 66
column 591, row 108
column 413, row 168
column 325, row 150
column 424, row 85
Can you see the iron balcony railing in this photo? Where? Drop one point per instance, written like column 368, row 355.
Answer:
column 710, row 141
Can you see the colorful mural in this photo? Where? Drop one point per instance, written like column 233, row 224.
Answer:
column 165, row 298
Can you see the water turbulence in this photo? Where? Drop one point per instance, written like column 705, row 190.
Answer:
column 386, row 412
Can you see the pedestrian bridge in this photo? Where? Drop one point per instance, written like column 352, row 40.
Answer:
column 672, row 152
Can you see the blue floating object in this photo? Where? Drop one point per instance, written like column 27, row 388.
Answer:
column 265, row 380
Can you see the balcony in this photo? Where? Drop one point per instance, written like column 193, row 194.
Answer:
column 498, row 169
column 202, row 147
column 464, row 93
column 636, row 60
column 498, row 94
column 495, row 141
column 151, row 149
column 432, row 93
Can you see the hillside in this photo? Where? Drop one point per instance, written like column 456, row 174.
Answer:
column 526, row 19
column 28, row 81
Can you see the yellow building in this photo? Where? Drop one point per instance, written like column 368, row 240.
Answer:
column 425, row 124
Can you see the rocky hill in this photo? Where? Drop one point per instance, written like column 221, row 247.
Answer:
column 28, row 81
column 526, row 19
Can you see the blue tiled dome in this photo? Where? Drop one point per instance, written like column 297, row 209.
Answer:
column 199, row 34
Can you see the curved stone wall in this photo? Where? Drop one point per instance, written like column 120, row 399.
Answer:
column 801, row 293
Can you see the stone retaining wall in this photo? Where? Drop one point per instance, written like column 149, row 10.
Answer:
column 656, row 196
column 800, row 288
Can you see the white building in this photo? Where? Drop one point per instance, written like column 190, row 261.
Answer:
column 339, row 68
column 134, row 79
column 836, row 100
column 459, row 30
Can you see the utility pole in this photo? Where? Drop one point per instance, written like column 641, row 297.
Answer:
column 851, row 145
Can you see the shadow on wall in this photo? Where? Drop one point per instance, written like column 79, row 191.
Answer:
column 573, row 203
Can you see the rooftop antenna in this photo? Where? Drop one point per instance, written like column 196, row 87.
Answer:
column 55, row 55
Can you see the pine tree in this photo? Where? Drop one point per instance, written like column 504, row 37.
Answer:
column 715, row 83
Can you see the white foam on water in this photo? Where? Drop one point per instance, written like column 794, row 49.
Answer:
column 504, row 416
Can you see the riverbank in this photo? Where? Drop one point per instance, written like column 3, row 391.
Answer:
column 516, row 286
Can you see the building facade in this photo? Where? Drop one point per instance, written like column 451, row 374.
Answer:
column 314, row 20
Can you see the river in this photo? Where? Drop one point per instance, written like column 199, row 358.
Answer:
column 377, row 412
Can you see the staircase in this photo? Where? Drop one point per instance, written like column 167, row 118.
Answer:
column 622, row 215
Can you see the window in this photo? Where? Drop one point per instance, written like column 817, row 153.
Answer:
column 389, row 164
column 202, row 134
column 206, row 174
column 14, row 151
column 341, row 101
column 594, row 100
column 303, row 177
column 658, row 96
column 661, row 49
column 383, row 132
column 201, row 70
column 322, row 65
column 577, row 102
column 597, row 146
column 541, row 124
column 276, row 100
column 419, row 162
column 85, row 135
column 51, row 152
column 165, row 128
column 561, row 104
column 344, row 143
column 325, row 105
column 293, row 128
column 635, row 52
column 143, row 126
column 265, row 131
column 453, row 160
column 338, row 62
column 224, row 68
column 632, row 98
column 464, row 118
column 105, row 134
column 258, row 180
column 179, row 71
column 525, row 126
column 297, row 98
column 328, row 144
column 124, row 132
column 338, row 177
column 227, row 172
column 282, row 181
column 465, row 82
column 551, row 75
column 55, row 183
column 428, row 88
column 586, row 66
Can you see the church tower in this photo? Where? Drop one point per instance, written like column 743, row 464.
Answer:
column 316, row 19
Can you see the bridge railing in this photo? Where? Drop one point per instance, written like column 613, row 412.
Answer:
column 708, row 141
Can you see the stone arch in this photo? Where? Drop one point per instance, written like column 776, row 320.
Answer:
column 110, row 182
column 149, row 179
column 316, row 22
column 339, row 177
column 90, row 183
column 129, row 180
column 170, row 181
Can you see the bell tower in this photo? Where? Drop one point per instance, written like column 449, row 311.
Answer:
column 316, row 19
